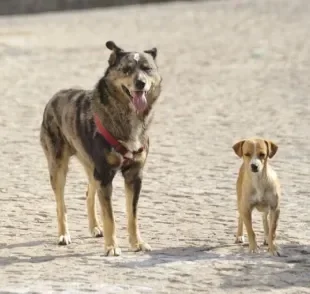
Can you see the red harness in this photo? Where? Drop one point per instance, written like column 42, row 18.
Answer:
column 120, row 148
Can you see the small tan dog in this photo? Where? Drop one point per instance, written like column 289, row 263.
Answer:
column 257, row 187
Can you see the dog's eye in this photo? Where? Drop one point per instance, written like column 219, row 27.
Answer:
column 146, row 68
column 247, row 154
column 261, row 155
column 126, row 69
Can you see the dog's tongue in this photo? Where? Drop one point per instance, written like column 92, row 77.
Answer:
column 139, row 100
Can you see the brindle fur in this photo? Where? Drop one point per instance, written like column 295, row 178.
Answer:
column 68, row 129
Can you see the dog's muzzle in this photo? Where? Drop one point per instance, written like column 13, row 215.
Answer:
column 137, row 97
column 140, row 85
column 254, row 168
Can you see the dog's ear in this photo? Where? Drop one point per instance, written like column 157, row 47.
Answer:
column 272, row 148
column 152, row 51
column 117, row 51
column 238, row 148
column 112, row 46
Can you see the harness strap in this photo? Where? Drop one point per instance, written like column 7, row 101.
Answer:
column 120, row 148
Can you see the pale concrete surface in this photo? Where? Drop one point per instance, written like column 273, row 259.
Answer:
column 231, row 69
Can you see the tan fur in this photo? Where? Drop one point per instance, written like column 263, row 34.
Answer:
column 259, row 189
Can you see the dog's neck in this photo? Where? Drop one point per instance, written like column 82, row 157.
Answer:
column 119, row 116
column 262, row 178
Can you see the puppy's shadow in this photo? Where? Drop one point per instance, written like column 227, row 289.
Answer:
column 290, row 270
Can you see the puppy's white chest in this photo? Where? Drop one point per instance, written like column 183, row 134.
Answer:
column 259, row 200
column 263, row 199
column 258, row 196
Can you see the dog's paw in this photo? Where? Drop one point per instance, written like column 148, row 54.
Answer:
column 253, row 248
column 96, row 232
column 112, row 251
column 239, row 240
column 274, row 250
column 141, row 246
column 266, row 238
column 64, row 239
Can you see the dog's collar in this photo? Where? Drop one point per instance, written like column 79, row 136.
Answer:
column 120, row 148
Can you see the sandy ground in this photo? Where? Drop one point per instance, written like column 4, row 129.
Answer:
column 231, row 69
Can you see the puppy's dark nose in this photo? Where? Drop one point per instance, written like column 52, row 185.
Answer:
column 254, row 168
column 140, row 84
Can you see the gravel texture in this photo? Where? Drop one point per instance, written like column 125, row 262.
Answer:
column 231, row 69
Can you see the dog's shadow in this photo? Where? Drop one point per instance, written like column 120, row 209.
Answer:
column 176, row 254
column 6, row 261
column 23, row 244
column 237, row 268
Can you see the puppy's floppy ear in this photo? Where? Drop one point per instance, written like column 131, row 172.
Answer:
column 117, row 51
column 152, row 51
column 272, row 148
column 238, row 148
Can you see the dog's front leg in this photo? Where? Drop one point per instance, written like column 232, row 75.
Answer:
column 247, row 219
column 274, row 217
column 105, row 198
column 132, row 190
column 266, row 227
column 239, row 236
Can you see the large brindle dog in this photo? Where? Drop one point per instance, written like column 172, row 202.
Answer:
column 106, row 129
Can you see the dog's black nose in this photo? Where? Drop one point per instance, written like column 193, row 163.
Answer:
column 254, row 167
column 140, row 84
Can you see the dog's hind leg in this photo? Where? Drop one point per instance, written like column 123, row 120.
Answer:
column 58, row 175
column 94, row 227
column 57, row 155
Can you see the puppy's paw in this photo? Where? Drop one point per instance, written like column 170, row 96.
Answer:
column 112, row 251
column 274, row 250
column 64, row 239
column 266, row 238
column 253, row 248
column 239, row 240
column 96, row 232
column 141, row 246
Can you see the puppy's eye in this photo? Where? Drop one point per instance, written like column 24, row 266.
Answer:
column 262, row 155
column 247, row 154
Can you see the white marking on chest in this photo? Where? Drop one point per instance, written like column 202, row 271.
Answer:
column 136, row 57
column 259, row 187
column 258, row 195
column 134, row 144
column 263, row 194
